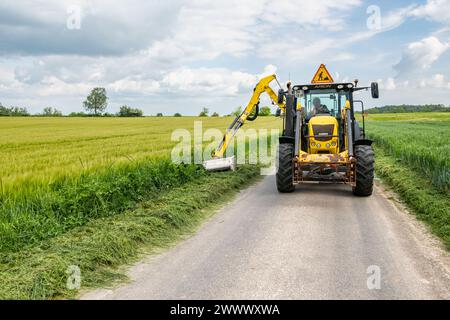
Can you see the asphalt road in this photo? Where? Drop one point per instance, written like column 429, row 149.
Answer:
column 319, row 242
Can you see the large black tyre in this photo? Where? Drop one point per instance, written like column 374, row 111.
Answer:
column 285, row 170
column 365, row 162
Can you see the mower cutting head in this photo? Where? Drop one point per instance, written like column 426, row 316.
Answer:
column 220, row 164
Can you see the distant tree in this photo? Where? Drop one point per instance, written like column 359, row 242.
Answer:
column 77, row 114
column 204, row 112
column 265, row 111
column 97, row 101
column 13, row 111
column 215, row 114
column 3, row 110
column 126, row 111
column 159, row 114
column 237, row 112
column 177, row 114
column 51, row 112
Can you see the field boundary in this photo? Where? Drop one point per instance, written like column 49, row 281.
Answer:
column 428, row 203
column 101, row 246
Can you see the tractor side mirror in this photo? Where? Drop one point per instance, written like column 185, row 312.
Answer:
column 280, row 96
column 374, row 89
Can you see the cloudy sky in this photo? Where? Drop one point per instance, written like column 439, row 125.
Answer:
column 179, row 56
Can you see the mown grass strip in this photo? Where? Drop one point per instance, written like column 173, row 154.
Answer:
column 430, row 204
column 101, row 245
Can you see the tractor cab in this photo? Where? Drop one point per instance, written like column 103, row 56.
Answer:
column 322, row 140
column 322, row 107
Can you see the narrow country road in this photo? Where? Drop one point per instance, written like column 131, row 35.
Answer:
column 319, row 242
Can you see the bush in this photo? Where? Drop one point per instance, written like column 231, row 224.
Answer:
column 265, row 111
column 215, row 114
column 126, row 111
column 77, row 114
column 177, row 114
column 13, row 111
column 237, row 112
column 159, row 114
column 204, row 112
column 51, row 112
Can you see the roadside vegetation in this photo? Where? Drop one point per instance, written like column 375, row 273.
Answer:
column 413, row 157
column 101, row 245
column 91, row 192
column 97, row 192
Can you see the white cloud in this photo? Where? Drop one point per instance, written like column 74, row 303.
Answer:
column 420, row 55
column 219, row 81
column 438, row 81
column 151, row 51
column 436, row 10
column 31, row 27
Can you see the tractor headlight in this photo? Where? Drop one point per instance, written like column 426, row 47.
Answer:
column 318, row 145
column 349, row 86
column 340, row 86
column 333, row 143
column 328, row 145
column 313, row 144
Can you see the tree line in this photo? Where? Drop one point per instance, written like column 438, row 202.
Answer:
column 96, row 103
column 405, row 108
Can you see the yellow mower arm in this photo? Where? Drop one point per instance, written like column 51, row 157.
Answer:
column 261, row 87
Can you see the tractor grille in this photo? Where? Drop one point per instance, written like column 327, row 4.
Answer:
column 323, row 129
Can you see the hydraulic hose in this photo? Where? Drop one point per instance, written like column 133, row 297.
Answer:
column 253, row 118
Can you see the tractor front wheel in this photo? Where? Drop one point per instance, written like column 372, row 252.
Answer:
column 285, row 170
column 365, row 162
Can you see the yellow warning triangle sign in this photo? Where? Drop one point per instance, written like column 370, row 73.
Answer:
column 322, row 75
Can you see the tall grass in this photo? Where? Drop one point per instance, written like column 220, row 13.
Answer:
column 60, row 173
column 424, row 146
column 69, row 203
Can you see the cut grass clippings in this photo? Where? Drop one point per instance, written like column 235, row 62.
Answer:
column 101, row 245
column 429, row 203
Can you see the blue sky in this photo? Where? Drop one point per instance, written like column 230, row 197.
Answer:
column 180, row 56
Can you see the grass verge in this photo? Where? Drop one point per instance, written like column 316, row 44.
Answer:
column 101, row 245
column 37, row 214
column 430, row 204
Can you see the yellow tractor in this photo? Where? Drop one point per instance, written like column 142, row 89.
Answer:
column 321, row 140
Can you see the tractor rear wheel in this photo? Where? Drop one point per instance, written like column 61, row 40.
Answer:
column 285, row 170
column 365, row 161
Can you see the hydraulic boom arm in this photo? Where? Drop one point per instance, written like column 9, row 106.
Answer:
column 262, row 86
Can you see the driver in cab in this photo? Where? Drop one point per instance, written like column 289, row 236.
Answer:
column 318, row 108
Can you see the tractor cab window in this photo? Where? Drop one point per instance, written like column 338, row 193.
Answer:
column 328, row 102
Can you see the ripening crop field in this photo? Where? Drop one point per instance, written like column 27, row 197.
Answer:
column 59, row 173
column 36, row 151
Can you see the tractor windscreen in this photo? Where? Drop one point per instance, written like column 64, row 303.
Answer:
column 328, row 101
